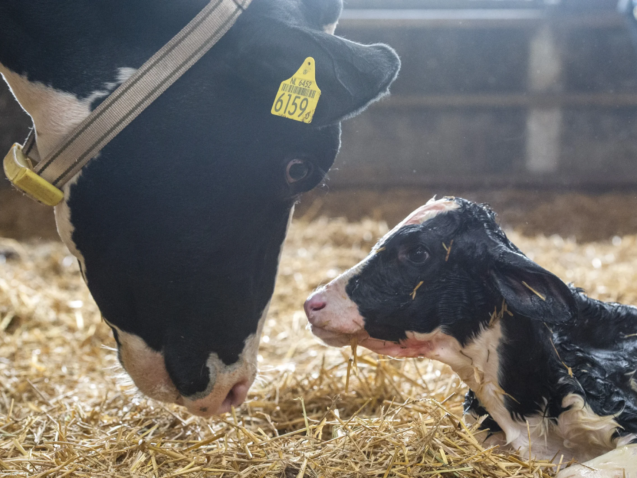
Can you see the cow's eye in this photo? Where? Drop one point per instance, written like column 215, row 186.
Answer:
column 417, row 255
column 297, row 170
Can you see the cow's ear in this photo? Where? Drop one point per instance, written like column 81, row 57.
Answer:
column 350, row 75
column 531, row 291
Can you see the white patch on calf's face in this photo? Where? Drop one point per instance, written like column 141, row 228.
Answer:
column 421, row 215
column 340, row 314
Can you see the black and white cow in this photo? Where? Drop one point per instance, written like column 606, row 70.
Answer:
column 447, row 284
column 178, row 224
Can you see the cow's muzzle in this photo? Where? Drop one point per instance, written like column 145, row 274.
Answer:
column 228, row 385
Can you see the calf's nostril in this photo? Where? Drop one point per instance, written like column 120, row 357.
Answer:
column 314, row 304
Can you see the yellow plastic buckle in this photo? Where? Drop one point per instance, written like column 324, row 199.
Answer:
column 19, row 170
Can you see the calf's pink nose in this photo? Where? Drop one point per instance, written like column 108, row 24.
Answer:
column 313, row 305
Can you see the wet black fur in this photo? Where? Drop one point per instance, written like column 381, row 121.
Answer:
column 473, row 406
column 182, row 216
column 484, row 269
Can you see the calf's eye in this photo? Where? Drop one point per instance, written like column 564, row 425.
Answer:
column 297, row 170
column 417, row 255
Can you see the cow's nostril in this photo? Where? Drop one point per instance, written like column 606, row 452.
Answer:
column 236, row 396
column 213, row 405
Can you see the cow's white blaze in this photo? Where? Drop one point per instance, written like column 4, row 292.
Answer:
column 229, row 384
column 146, row 367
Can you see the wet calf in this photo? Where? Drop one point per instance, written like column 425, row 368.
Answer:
column 447, row 284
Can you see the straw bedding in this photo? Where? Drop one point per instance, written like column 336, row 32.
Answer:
column 67, row 410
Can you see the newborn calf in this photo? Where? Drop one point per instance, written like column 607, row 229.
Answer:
column 447, row 284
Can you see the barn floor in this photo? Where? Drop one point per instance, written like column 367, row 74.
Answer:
column 67, row 410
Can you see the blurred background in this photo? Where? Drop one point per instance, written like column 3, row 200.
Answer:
column 529, row 105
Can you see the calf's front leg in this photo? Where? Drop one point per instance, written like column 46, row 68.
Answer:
column 489, row 433
column 619, row 463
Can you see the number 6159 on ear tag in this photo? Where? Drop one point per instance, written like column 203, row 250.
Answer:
column 298, row 96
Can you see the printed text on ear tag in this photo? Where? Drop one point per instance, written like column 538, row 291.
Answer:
column 297, row 97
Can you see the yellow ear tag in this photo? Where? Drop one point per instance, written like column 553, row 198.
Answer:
column 298, row 96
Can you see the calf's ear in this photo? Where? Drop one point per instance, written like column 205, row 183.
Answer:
column 531, row 291
column 350, row 75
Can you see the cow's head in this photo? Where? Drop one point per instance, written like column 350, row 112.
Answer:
column 435, row 283
column 178, row 223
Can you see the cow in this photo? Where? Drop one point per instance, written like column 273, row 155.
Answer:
column 178, row 223
column 543, row 361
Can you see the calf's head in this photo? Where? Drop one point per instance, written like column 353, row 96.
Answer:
column 178, row 224
column 433, row 282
